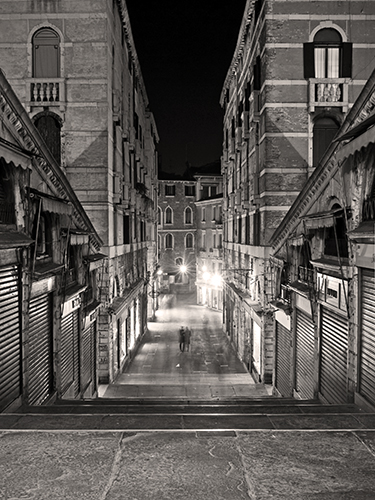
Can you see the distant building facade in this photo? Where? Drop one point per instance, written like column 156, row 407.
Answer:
column 75, row 68
column 296, row 71
column 49, row 279
column 324, row 274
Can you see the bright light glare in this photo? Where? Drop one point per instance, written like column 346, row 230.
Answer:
column 160, row 272
column 204, row 268
column 216, row 280
column 206, row 276
column 183, row 269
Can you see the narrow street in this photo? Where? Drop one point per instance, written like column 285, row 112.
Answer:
column 210, row 369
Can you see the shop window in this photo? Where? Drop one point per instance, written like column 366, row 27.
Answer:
column 7, row 208
column 43, row 233
column 188, row 216
column 327, row 56
column 335, row 237
column 46, row 54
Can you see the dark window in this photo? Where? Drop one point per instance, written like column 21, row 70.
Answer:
column 189, row 240
column 159, row 216
column 168, row 241
column 7, row 208
column 324, row 131
column 46, row 54
column 335, row 238
column 327, row 56
column 256, row 228
column 170, row 190
column 127, row 233
column 188, row 216
column 168, row 215
column 189, row 190
column 49, row 128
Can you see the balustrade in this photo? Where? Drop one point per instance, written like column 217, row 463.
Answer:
column 47, row 90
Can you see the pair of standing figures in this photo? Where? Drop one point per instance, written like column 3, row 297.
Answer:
column 184, row 338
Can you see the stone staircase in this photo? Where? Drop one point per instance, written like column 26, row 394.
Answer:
column 255, row 414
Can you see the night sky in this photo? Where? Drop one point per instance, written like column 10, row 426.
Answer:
column 185, row 48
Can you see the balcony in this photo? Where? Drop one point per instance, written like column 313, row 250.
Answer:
column 46, row 92
column 328, row 92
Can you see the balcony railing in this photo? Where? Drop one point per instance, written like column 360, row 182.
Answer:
column 41, row 91
column 305, row 274
column 328, row 92
column 7, row 215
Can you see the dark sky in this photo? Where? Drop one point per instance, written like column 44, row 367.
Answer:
column 185, row 48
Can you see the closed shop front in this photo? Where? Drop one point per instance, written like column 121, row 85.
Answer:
column 40, row 360
column 367, row 339
column 333, row 356
column 304, row 345
column 70, row 353
column 88, row 371
column 283, row 360
column 10, row 336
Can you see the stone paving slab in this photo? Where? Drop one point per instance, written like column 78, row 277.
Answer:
column 265, row 465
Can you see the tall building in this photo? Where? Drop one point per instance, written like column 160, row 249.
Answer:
column 75, row 68
column 295, row 72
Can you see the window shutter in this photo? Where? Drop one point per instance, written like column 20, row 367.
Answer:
column 346, row 62
column 308, row 60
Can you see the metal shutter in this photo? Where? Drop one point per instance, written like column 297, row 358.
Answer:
column 10, row 336
column 283, row 360
column 88, row 358
column 367, row 351
column 40, row 382
column 333, row 357
column 69, row 364
column 304, row 355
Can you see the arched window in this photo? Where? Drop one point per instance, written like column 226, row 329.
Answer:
column 179, row 261
column 46, row 54
column 50, row 129
column 325, row 129
column 335, row 237
column 328, row 56
column 168, row 215
column 168, row 241
column 189, row 241
column 188, row 215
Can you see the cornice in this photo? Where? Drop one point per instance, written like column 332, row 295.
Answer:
column 28, row 137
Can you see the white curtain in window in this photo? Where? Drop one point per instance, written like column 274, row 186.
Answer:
column 320, row 62
column 333, row 62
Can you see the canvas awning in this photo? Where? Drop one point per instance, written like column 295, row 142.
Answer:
column 14, row 239
column 322, row 219
column 360, row 137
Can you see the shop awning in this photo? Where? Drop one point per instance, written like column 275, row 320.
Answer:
column 360, row 136
column 13, row 154
column 322, row 219
column 14, row 239
column 52, row 203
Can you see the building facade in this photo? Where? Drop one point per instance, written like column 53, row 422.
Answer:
column 297, row 69
column 177, row 233
column 324, row 273
column 74, row 67
column 49, row 284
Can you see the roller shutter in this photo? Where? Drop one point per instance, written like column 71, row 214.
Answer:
column 40, row 382
column 283, row 360
column 69, row 364
column 367, row 352
column 88, row 355
column 304, row 374
column 10, row 336
column 333, row 356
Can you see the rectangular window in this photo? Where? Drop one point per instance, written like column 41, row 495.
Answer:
column 170, row 190
column 189, row 190
column 203, row 214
